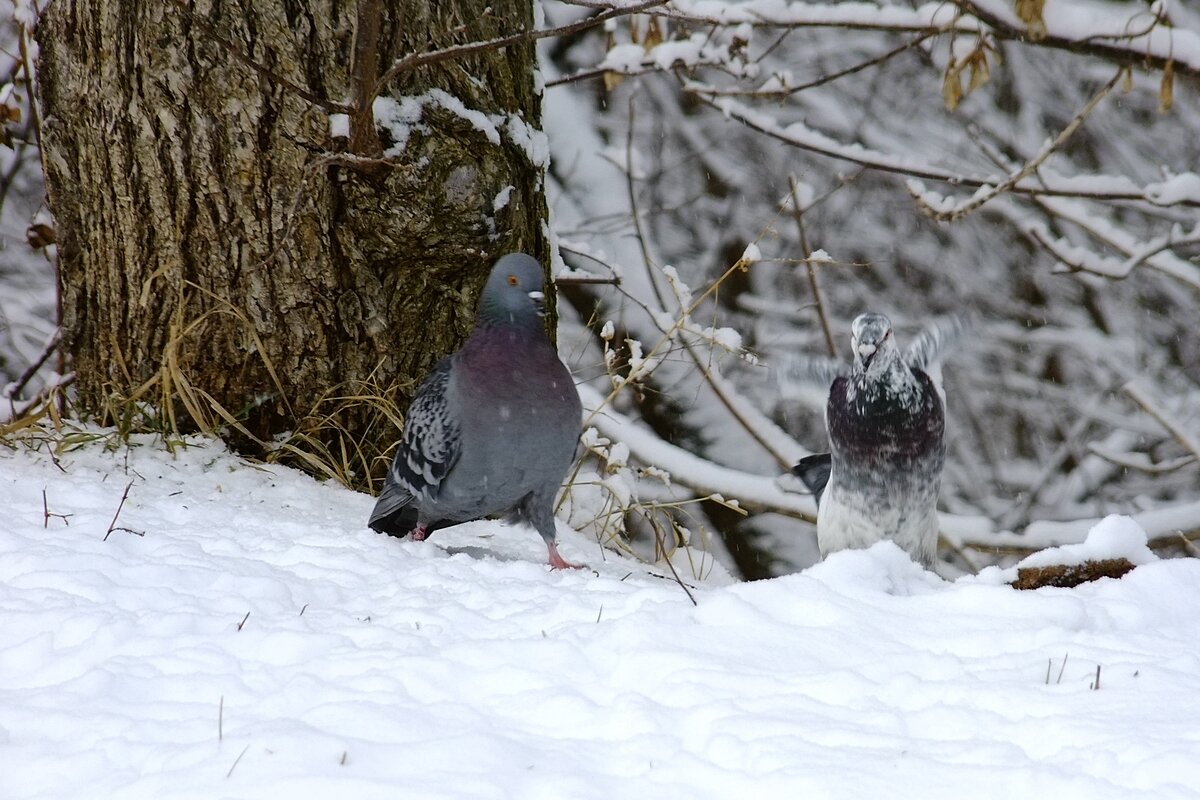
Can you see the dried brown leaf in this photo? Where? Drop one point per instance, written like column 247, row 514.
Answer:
column 654, row 35
column 40, row 235
column 1166, row 89
column 981, row 73
column 1030, row 12
column 952, row 86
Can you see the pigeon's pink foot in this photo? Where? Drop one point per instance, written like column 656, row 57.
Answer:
column 419, row 533
column 557, row 561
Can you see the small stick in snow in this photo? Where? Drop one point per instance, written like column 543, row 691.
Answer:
column 112, row 526
column 667, row 559
column 221, row 719
column 343, row 761
column 243, row 622
column 599, row 613
column 1063, row 668
column 1096, row 683
column 235, row 762
column 47, row 513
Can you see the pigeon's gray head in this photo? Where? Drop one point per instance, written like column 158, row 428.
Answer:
column 871, row 340
column 514, row 290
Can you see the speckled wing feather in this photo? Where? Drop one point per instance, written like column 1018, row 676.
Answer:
column 429, row 447
column 813, row 370
column 934, row 339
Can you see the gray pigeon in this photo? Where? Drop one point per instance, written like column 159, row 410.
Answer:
column 493, row 428
column 887, row 439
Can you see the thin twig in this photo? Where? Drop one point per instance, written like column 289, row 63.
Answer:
column 235, row 762
column 631, row 188
column 51, row 345
column 112, row 525
column 1162, row 417
column 1127, row 54
column 961, row 210
column 27, row 63
column 586, row 280
column 1140, row 462
column 667, row 558
column 818, row 299
column 880, row 162
column 414, row 60
column 706, row 370
column 830, row 78
column 1117, row 49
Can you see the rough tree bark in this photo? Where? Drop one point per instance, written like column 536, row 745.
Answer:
column 205, row 233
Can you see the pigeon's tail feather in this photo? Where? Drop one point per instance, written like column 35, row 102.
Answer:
column 814, row 472
column 394, row 512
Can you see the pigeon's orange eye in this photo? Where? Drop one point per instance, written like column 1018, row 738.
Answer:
column 512, row 280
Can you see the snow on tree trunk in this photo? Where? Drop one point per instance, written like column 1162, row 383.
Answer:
column 204, row 225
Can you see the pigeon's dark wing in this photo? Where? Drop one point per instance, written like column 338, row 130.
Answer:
column 937, row 337
column 814, row 472
column 431, row 441
column 429, row 447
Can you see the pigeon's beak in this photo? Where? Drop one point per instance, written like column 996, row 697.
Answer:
column 866, row 352
column 539, row 302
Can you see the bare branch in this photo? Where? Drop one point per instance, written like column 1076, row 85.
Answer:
column 1164, row 418
column 986, row 193
column 364, row 137
column 1133, row 44
column 818, row 299
column 1134, row 48
column 414, row 60
column 804, row 138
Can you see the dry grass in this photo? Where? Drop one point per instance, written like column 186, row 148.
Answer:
column 326, row 440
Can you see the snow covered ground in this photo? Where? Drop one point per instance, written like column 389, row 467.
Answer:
column 255, row 640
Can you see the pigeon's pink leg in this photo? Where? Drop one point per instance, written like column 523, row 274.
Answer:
column 557, row 561
column 418, row 533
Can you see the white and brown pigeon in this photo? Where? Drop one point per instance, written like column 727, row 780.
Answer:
column 493, row 428
column 887, row 442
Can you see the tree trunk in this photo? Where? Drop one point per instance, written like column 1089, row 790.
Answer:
column 221, row 253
